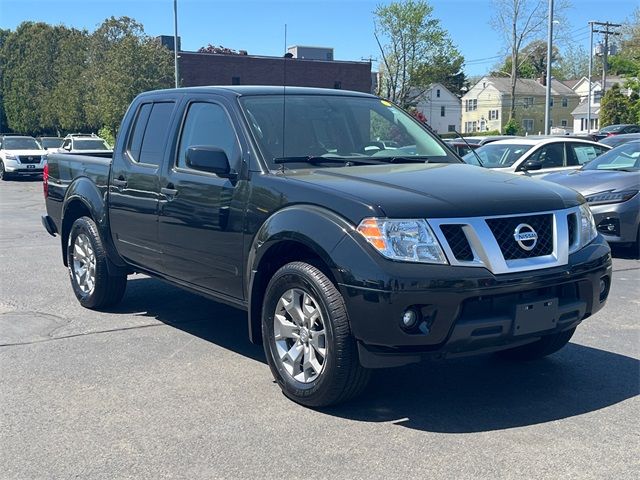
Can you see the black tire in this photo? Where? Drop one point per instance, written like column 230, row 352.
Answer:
column 341, row 377
column 3, row 174
column 541, row 348
column 107, row 289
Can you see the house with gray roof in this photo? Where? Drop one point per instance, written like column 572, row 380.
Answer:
column 486, row 105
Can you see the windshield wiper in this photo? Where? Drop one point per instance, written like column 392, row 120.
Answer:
column 318, row 159
column 407, row 160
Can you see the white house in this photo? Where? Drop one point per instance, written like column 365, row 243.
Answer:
column 581, row 113
column 441, row 108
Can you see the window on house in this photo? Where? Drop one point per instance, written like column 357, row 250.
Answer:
column 564, row 123
column 527, row 124
column 451, row 128
column 474, row 126
column 565, row 102
column 551, row 101
column 493, row 114
column 483, row 126
column 527, row 102
column 442, row 111
column 438, row 93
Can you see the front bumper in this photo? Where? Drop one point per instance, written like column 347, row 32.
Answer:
column 14, row 167
column 465, row 310
column 618, row 222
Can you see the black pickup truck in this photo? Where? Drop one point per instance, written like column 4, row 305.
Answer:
column 353, row 237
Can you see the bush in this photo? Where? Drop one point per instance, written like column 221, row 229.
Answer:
column 106, row 133
column 511, row 127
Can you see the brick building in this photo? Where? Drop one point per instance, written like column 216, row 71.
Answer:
column 197, row 69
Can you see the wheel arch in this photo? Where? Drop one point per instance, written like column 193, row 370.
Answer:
column 297, row 233
column 84, row 198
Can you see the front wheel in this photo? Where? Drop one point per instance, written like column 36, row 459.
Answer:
column 3, row 174
column 307, row 338
column 93, row 286
column 540, row 348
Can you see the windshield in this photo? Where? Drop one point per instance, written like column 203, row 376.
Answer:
column 338, row 127
column 612, row 128
column 497, row 155
column 92, row 144
column 624, row 157
column 21, row 143
column 51, row 142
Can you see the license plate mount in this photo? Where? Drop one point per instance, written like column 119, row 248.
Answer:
column 31, row 166
column 535, row 317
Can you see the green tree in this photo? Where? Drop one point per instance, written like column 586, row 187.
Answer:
column 416, row 51
column 574, row 63
column 615, row 108
column 29, row 54
column 123, row 62
column 521, row 22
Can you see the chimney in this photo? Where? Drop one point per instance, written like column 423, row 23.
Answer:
column 542, row 80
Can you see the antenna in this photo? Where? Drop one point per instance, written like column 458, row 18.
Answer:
column 284, row 88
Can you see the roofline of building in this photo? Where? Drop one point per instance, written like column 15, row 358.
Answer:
column 181, row 52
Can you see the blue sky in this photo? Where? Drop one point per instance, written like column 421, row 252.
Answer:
column 258, row 26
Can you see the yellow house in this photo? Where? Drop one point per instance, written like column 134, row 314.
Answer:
column 486, row 106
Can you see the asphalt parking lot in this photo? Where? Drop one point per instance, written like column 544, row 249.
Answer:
column 167, row 385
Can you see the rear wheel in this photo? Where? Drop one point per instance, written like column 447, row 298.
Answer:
column 307, row 338
column 88, row 267
column 540, row 348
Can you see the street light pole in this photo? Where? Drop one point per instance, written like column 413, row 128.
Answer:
column 547, row 107
column 175, row 40
column 590, row 68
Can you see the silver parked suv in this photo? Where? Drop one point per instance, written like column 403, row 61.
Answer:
column 20, row 155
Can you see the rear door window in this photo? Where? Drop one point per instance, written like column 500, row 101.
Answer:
column 149, row 133
column 551, row 155
column 584, row 153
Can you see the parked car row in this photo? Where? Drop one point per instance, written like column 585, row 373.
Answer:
column 22, row 155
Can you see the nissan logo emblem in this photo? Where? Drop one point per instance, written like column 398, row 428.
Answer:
column 525, row 236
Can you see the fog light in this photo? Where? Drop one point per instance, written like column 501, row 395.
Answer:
column 409, row 318
column 604, row 288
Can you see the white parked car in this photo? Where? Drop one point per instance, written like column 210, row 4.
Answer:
column 20, row 155
column 85, row 144
column 536, row 156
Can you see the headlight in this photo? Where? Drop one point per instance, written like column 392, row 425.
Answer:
column 407, row 240
column 11, row 156
column 587, row 225
column 610, row 197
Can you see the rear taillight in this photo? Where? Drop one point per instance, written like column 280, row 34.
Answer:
column 45, row 180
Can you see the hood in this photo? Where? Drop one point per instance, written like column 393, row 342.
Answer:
column 440, row 190
column 30, row 152
column 588, row 182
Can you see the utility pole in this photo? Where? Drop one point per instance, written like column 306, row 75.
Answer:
column 606, row 32
column 590, row 68
column 547, row 107
column 175, row 41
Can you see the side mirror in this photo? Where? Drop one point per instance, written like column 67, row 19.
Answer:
column 209, row 159
column 532, row 165
column 67, row 147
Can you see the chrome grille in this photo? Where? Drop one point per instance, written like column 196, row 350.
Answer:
column 504, row 229
column 458, row 242
column 27, row 159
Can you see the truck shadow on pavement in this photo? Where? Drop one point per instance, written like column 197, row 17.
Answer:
column 465, row 395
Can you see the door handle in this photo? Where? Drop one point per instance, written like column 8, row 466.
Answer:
column 169, row 191
column 119, row 183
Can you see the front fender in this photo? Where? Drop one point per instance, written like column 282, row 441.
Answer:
column 318, row 229
column 315, row 227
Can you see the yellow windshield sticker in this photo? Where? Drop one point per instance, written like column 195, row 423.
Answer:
column 385, row 103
